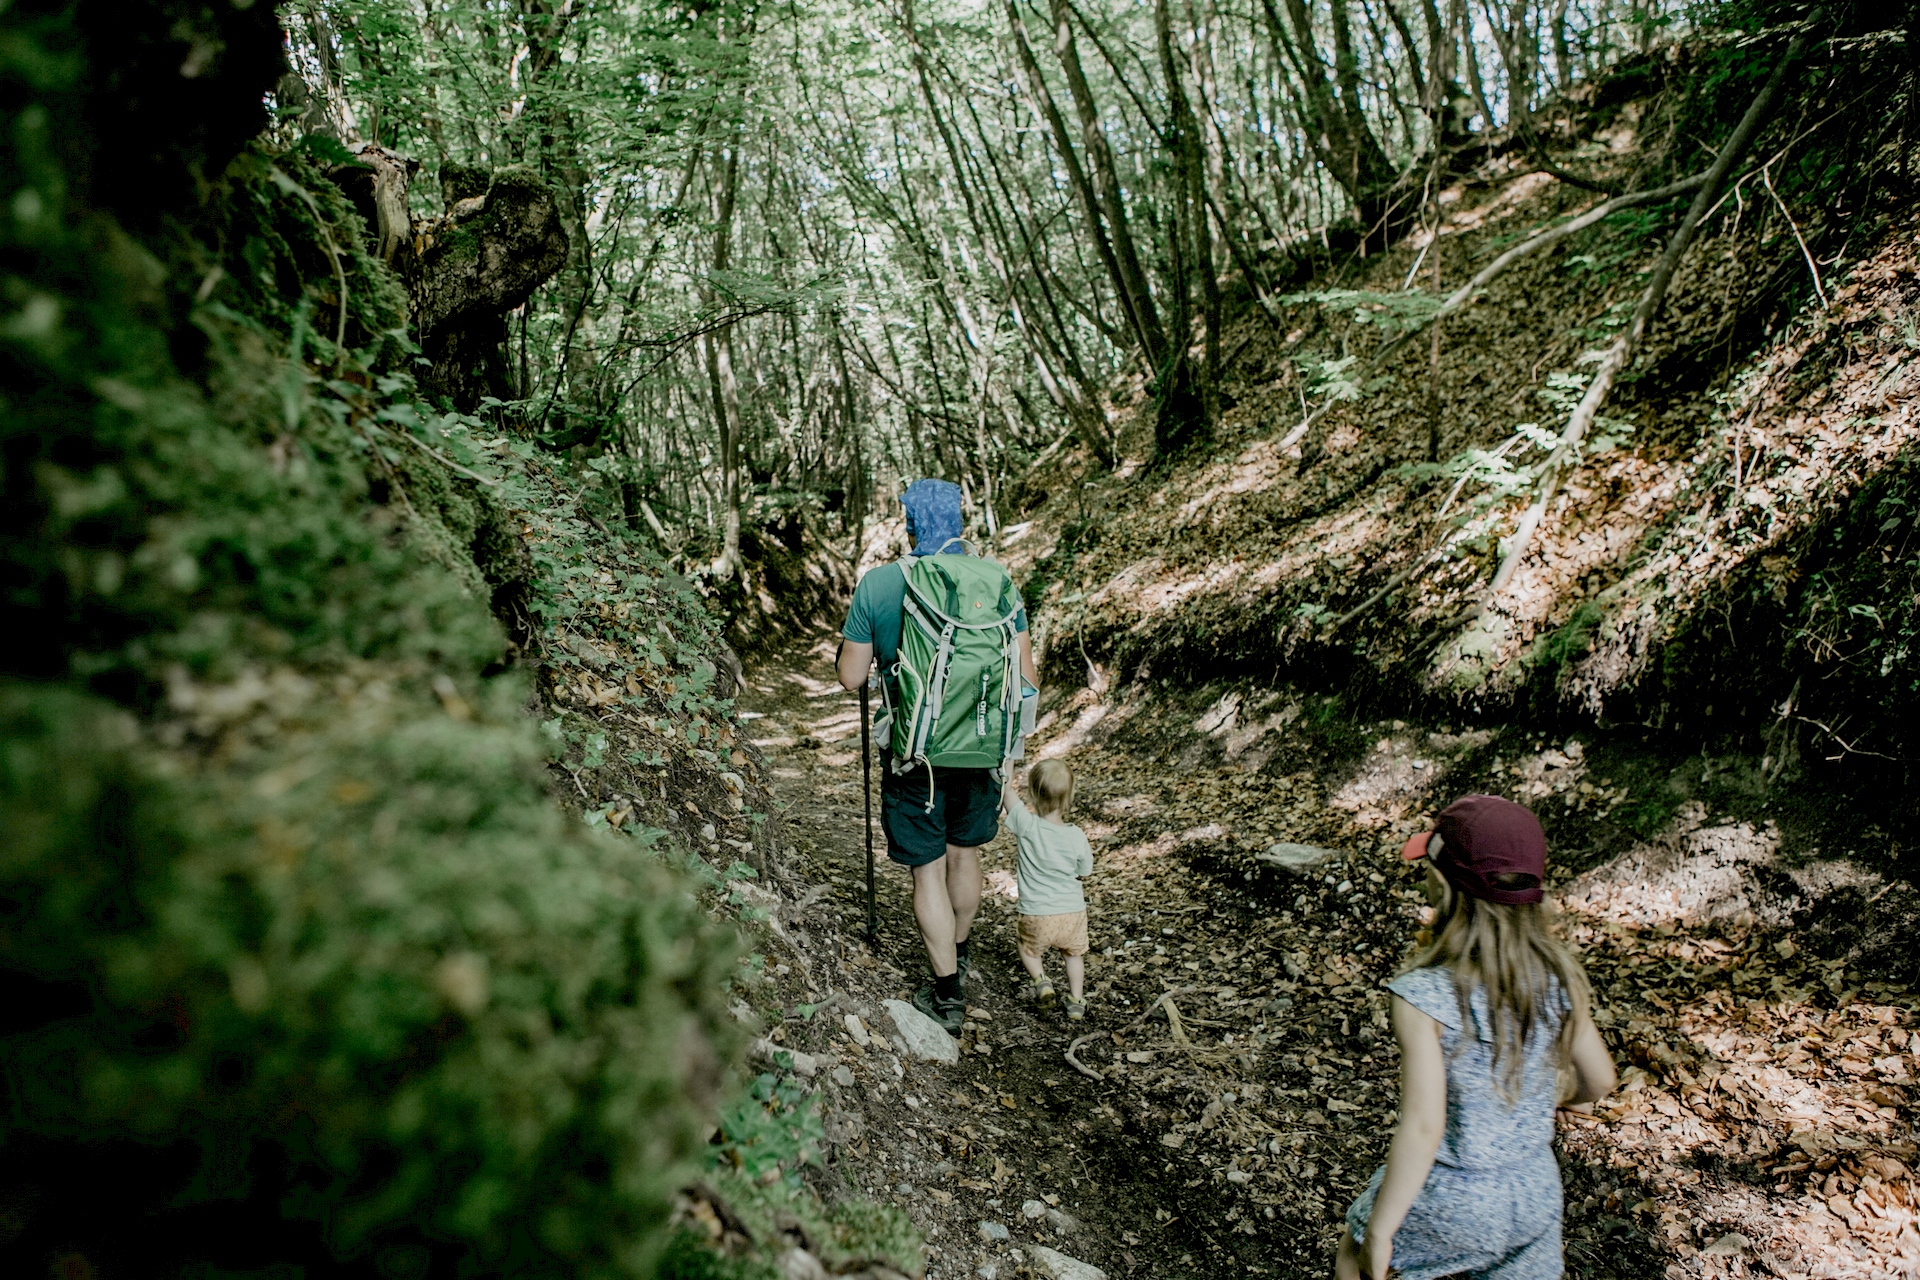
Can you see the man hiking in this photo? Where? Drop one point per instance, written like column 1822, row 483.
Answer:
column 936, row 816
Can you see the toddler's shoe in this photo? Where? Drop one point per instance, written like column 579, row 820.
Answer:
column 1040, row 991
column 1076, row 1009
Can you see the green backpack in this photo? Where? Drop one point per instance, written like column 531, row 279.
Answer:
column 958, row 679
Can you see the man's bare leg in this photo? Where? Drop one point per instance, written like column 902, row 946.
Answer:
column 933, row 911
column 963, row 887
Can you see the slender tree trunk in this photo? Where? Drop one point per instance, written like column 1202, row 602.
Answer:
column 723, row 387
column 1337, row 123
column 1090, row 208
column 1191, row 228
column 1562, row 56
column 1463, row 24
column 1433, row 353
column 1106, row 185
column 1178, row 412
column 1444, row 99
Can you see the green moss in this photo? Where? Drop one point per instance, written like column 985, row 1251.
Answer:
column 1570, row 640
column 307, row 963
column 689, row 1257
column 844, row 1237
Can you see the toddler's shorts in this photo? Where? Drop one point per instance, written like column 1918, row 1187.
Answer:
column 1066, row 933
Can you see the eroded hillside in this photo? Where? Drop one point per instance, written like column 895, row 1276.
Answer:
column 1727, row 562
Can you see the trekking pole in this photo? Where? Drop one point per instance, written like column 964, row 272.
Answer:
column 866, row 784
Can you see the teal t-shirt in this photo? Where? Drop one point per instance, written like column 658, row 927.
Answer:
column 874, row 616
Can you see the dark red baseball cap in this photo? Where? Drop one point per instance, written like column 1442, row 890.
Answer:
column 1482, row 837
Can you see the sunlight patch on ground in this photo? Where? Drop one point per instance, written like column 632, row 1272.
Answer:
column 1090, row 713
column 838, row 727
column 1745, row 1055
column 1162, row 846
column 1257, row 468
column 1138, row 805
column 1691, row 875
column 1511, row 196
column 1395, row 785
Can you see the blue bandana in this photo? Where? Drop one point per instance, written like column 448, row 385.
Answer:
column 933, row 515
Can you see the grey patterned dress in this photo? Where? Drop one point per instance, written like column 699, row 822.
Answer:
column 1491, row 1207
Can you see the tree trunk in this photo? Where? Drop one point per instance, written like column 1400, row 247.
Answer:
column 1445, row 99
column 1191, row 231
column 465, row 270
column 1106, row 185
column 722, row 385
column 1338, row 130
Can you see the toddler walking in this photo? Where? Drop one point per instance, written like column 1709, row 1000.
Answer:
column 1485, row 1014
column 1053, row 857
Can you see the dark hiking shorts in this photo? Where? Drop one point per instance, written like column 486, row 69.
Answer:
column 966, row 811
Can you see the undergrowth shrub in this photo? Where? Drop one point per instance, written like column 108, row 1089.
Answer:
column 304, row 966
column 769, row 1137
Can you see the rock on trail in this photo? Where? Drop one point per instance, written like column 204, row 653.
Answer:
column 1059, row 1266
column 925, row 1039
column 1297, row 858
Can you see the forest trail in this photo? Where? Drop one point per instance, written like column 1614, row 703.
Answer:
column 1764, row 1126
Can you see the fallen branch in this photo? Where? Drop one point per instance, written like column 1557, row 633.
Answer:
column 1846, row 748
column 1174, row 1026
column 1624, row 347
column 1812, row 268
column 442, row 458
column 1466, row 292
column 1092, row 1073
column 1173, row 1016
column 1388, row 588
column 837, row 999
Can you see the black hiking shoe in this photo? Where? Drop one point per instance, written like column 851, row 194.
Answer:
column 963, row 965
column 948, row 1013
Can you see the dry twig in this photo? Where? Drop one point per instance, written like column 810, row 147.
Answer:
column 1173, row 1018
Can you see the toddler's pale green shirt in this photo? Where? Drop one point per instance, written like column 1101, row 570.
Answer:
column 1053, row 857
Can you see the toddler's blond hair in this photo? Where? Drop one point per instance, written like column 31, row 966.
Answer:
column 1051, row 783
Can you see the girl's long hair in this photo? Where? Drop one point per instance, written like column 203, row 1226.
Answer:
column 1516, row 955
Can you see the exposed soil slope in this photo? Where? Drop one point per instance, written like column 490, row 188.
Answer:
column 1688, row 554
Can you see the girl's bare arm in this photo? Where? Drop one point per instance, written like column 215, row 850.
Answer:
column 1592, row 1064
column 1423, row 1119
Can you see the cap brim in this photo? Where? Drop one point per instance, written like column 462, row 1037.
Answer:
column 1416, row 847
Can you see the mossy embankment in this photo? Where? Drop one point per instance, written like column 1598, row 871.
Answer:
column 312, row 962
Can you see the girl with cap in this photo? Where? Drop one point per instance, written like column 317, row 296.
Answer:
column 1486, row 1014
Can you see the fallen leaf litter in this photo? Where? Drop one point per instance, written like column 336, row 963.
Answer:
column 1239, row 1031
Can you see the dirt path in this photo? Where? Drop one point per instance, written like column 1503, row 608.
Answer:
column 1764, row 1127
